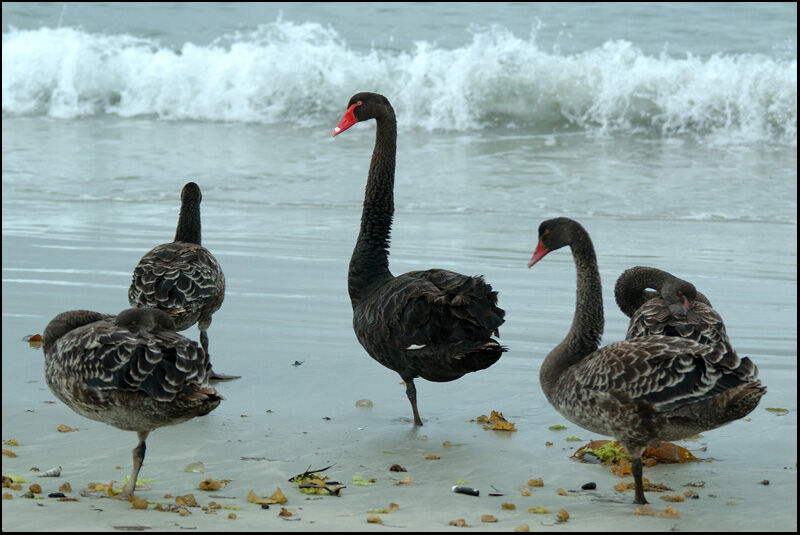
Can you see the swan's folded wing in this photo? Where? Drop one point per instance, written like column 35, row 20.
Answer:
column 175, row 275
column 664, row 371
column 161, row 364
column 702, row 324
column 435, row 307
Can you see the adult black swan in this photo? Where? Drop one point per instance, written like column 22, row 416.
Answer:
column 642, row 390
column 434, row 324
column 182, row 277
column 132, row 371
column 673, row 308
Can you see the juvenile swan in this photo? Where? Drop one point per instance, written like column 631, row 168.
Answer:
column 182, row 277
column 642, row 390
column 132, row 371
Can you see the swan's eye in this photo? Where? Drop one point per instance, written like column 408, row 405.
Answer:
column 358, row 103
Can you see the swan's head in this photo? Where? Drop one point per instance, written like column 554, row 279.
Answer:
column 144, row 319
column 679, row 294
column 554, row 234
column 362, row 106
column 191, row 193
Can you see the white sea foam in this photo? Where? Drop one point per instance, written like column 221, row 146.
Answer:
column 304, row 74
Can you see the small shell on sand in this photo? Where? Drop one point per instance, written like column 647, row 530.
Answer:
column 53, row 472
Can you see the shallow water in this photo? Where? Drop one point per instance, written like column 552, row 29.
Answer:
column 86, row 194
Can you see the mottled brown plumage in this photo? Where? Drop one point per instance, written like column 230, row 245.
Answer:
column 672, row 308
column 434, row 324
column 132, row 371
column 182, row 277
column 639, row 284
column 642, row 390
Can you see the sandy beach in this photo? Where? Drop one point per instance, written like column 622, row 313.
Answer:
column 260, row 451
column 280, row 419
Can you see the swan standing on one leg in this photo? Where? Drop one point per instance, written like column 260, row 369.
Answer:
column 132, row 371
column 434, row 324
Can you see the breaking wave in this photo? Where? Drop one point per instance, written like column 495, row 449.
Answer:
column 303, row 73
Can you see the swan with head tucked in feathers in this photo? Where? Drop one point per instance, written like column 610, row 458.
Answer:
column 132, row 371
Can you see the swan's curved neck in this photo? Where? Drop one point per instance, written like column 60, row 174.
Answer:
column 189, row 223
column 587, row 324
column 66, row 322
column 369, row 264
column 631, row 292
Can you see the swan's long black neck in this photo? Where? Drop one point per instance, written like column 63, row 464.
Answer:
column 189, row 223
column 369, row 265
column 584, row 336
column 631, row 292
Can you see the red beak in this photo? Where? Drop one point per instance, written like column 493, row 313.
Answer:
column 538, row 254
column 348, row 120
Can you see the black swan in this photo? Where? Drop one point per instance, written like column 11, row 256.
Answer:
column 182, row 277
column 434, row 324
column 132, row 371
column 642, row 390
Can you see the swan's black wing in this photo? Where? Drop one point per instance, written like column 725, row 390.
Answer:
column 436, row 323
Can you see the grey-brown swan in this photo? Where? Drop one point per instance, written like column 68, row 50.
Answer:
column 434, row 324
column 673, row 308
column 639, row 284
column 642, row 390
column 182, row 277
column 132, row 371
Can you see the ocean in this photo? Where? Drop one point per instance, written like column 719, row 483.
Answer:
column 669, row 130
